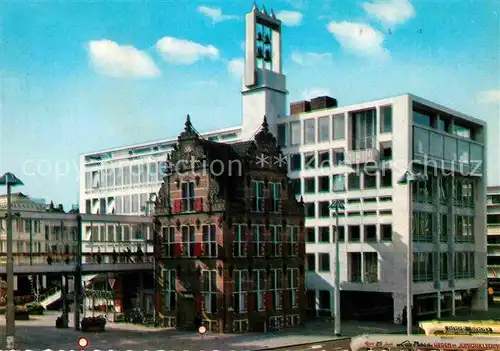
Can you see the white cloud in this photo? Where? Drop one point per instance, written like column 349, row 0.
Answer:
column 314, row 92
column 390, row 12
column 215, row 14
column 360, row 38
column 110, row 59
column 236, row 67
column 310, row 58
column 290, row 18
column 185, row 52
column 489, row 96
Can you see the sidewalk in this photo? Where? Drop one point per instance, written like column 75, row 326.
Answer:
column 41, row 334
column 463, row 314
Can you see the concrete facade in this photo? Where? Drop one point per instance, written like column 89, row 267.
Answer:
column 377, row 207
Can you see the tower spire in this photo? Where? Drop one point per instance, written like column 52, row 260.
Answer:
column 255, row 8
column 265, row 126
column 188, row 127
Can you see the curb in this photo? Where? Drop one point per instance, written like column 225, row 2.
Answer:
column 306, row 343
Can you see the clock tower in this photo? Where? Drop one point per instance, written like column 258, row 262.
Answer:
column 264, row 85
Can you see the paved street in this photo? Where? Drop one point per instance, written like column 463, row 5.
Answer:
column 40, row 334
column 333, row 345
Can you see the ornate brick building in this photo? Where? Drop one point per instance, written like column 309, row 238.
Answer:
column 230, row 248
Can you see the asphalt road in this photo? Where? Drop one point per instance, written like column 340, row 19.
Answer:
column 336, row 345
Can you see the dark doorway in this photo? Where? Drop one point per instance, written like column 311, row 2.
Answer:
column 186, row 312
column 368, row 306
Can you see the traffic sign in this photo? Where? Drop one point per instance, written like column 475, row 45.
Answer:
column 83, row 343
column 202, row 330
column 111, row 282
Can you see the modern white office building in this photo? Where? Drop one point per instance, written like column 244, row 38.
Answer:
column 124, row 180
column 356, row 154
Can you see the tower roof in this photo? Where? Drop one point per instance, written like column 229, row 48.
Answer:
column 189, row 131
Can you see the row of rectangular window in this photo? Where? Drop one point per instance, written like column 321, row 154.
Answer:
column 424, row 231
column 259, row 292
column 362, row 266
column 463, row 193
column 327, row 128
column 34, row 226
column 424, row 269
column 321, row 209
column 144, row 173
column 447, row 125
column 322, row 159
column 118, row 232
column 38, row 246
column 326, row 234
column 263, row 242
column 337, row 182
column 122, row 204
column 449, row 148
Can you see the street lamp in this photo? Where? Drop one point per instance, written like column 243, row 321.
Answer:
column 10, row 180
column 336, row 206
column 409, row 178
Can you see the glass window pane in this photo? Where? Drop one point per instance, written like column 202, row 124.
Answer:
column 476, row 157
column 153, row 172
column 323, row 129
column 338, row 127
column 309, row 131
column 437, row 145
column 295, row 133
column 386, row 119
column 450, row 148
column 463, row 151
column 420, row 141
column 421, row 119
column 338, row 183
column 282, row 134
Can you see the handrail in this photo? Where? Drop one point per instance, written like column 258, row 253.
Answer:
column 48, row 293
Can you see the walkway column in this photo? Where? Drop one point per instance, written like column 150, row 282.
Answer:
column 453, row 303
column 438, row 307
column 78, row 274
column 64, row 299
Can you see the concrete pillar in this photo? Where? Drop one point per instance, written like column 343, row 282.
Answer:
column 453, row 303
column 399, row 303
column 480, row 299
column 78, row 298
column 64, row 299
column 316, row 299
column 438, row 306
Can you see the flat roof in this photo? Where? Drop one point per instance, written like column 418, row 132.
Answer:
column 160, row 142
column 448, row 110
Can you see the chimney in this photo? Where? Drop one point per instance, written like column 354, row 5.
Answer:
column 299, row 107
column 322, row 102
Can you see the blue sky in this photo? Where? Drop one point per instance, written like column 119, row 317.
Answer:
column 85, row 76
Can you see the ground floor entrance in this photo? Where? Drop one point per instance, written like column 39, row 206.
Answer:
column 186, row 312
